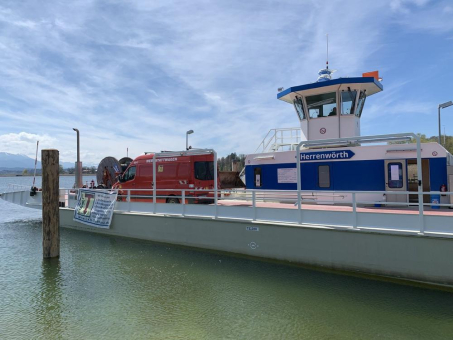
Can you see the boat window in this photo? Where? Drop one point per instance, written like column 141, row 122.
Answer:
column 322, row 105
column 360, row 103
column 299, row 106
column 204, row 171
column 258, row 180
column 129, row 174
column 348, row 102
column 395, row 175
column 324, row 176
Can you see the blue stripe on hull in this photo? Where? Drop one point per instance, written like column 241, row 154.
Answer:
column 368, row 175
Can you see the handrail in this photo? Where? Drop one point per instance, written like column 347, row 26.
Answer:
column 257, row 203
column 12, row 187
column 293, row 140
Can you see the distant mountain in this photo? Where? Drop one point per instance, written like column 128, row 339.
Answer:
column 20, row 162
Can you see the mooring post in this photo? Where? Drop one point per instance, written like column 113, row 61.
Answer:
column 50, row 199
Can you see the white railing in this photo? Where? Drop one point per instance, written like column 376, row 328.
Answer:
column 358, row 210
column 279, row 139
column 17, row 187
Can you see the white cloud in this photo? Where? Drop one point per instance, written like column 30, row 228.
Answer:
column 25, row 143
column 424, row 15
column 404, row 5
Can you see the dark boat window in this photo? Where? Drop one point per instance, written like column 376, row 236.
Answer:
column 348, row 102
column 322, row 105
column 324, row 176
column 257, row 177
column 360, row 103
column 299, row 106
column 395, row 175
column 204, row 171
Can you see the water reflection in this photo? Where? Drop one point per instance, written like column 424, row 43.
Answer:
column 49, row 304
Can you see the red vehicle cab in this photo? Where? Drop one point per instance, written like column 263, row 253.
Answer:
column 180, row 171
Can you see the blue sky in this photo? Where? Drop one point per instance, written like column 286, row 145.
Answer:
column 139, row 74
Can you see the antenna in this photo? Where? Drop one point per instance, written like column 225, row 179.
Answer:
column 325, row 74
column 327, row 61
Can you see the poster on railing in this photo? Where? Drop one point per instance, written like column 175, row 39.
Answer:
column 95, row 207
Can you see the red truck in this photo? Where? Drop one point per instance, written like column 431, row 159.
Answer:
column 178, row 171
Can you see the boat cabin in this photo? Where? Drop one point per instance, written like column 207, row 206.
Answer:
column 331, row 108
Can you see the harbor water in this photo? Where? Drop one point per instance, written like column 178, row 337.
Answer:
column 115, row 288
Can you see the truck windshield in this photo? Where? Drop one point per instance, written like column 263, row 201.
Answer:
column 129, row 174
column 204, row 171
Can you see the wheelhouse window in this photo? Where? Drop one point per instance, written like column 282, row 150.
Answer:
column 204, row 171
column 299, row 106
column 324, row 176
column 395, row 175
column 360, row 103
column 348, row 102
column 322, row 105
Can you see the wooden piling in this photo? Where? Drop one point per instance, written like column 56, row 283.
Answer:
column 50, row 199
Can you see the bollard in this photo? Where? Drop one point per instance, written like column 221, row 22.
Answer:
column 50, row 199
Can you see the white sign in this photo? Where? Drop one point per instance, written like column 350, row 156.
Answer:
column 257, row 180
column 95, row 207
column 287, row 175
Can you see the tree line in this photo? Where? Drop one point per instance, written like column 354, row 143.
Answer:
column 232, row 162
column 87, row 170
column 446, row 141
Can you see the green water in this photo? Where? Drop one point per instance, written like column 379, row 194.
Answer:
column 113, row 288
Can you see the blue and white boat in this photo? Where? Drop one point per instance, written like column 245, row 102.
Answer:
column 332, row 157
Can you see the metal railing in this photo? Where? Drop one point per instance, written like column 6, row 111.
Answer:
column 355, row 210
column 358, row 210
column 17, row 187
column 278, row 139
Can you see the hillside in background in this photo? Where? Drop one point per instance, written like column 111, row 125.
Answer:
column 9, row 161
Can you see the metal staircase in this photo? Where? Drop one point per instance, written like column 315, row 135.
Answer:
column 282, row 139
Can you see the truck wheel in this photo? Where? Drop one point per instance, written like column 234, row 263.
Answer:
column 172, row 200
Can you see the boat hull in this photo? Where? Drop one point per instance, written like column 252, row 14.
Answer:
column 408, row 257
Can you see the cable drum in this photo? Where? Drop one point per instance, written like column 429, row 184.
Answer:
column 107, row 172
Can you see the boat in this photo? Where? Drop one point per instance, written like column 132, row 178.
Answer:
column 333, row 159
column 307, row 200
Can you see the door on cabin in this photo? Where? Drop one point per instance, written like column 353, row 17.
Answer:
column 412, row 180
column 257, row 178
column 396, row 180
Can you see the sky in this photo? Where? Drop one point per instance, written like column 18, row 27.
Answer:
column 138, row 74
